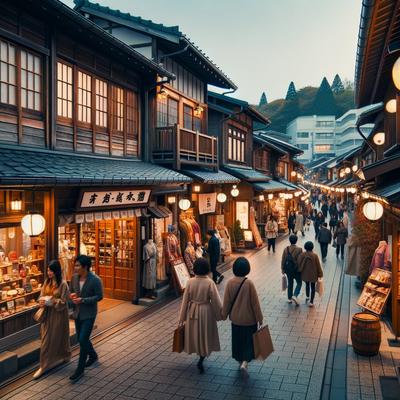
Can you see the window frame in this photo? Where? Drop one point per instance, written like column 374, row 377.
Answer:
column 62, row 117
column 237, row 140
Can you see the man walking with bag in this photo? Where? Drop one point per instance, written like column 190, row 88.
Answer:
column 324, row 239
column 289, row 265
column 86, row 292
column 214, row 253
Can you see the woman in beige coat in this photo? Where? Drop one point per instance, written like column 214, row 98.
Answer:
column 54, row 327
column 241, row 304
column 200, row 311
column 310, row 268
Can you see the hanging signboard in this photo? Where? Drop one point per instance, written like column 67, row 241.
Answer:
column 207, row 203
column 242, row 214
column 181, row 274
column 114, row 198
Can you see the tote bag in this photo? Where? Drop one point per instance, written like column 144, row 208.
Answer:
column 262, row 343
column 179, row 339
column 319, row 287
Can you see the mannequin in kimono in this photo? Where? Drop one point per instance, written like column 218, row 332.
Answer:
column 381, row 257
column 172, row 249
column 190, row 257
column 150, row 268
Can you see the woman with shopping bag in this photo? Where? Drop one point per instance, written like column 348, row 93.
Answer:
column 242, row 306
column 200, row 311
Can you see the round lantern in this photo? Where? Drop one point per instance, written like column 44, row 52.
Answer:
column 391, row 106
column 270, row 196
column 396, row 73
column 290, row 196
column 184, row 204
column 379, row 138
column 33, row 224
column 373, row 210
column 261, row 197
column 293, row 173
column 354, row 168
column 221, row 197
column 347, row 170
column 235, row 191
column 353, row 190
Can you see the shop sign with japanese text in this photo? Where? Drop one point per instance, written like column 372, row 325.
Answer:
column 111, row 198
column 207, row 202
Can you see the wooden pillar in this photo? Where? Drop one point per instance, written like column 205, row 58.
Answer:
column 397, row 141
column 51, row 217
column 395, row 280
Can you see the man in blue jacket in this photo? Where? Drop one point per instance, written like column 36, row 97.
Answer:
column 86, row 292
column 214, row 253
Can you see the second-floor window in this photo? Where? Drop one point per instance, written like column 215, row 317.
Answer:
column 64, row 90
column 236, row 145
column 117, row 108
column 84, row 97
column 282, row 169
column 101, row 103
column 261, row 159
column 29, row 89
column 190, row 120
column 167, row 112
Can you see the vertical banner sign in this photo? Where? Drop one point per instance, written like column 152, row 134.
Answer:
column 242, row 214
column 207, row 203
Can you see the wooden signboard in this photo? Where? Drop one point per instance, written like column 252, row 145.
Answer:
column 181, row 274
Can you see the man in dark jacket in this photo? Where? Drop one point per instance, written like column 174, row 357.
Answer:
column 324, row 238
column 214, row 253
column 289, row 267
column 324, row 209
column 86, row 292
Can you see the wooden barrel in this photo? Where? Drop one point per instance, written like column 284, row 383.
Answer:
column 366, row 334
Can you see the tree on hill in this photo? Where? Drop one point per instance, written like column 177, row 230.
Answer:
column 263, row 100
column 324, row 102
column 291, row 92
column 337, row 85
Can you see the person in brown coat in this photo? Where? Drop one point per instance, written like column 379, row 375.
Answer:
column 310, row 269
column 200, row 311
column 242, row 306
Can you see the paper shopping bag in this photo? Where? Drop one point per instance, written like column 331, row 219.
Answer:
column 262, row 343
column 319, row 287
column 284, row 283
column 179, row 339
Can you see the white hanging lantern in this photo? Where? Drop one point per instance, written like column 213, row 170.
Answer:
column 33, row 224
column 235, row 191
column 171, row 200
column 396, row 73
column 184, row 204
column 290, row 196
column 261, row 197
column 293, row 173
column 391, row 106
column 379, row 138
column 341, row 190
column 373, row 210
column 221, row 197
column 270, row 196
column 16, row 205
column 347, row 170
column 196, row 188
column 354, row 168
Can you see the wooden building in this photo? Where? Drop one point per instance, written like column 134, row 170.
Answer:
column 73, row 113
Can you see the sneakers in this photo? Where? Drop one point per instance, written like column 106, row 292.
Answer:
column 296, row 301
column 290, row 301
column 307, row 299
column 310, row 304
column 243, row 369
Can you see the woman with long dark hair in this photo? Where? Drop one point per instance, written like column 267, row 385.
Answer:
column 54, row 325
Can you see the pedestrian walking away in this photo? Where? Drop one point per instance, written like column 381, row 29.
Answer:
column 324, row 239
column 299, row 225
column 291, row 221
column 311, row 270
column 289, row 266
column 54, row 322
column 271, row 228
column 214, row 254
column 86, row 292
column 200, row 311
column 341, row 235
column 324, row 209
column 319, row 220
column 242, row 305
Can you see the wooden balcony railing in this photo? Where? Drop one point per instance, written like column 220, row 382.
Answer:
column 177, row 145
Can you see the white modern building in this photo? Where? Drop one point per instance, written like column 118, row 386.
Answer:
column 314, row 134
column 324, row 136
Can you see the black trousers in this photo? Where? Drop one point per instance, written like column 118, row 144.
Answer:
column 271, row 243
column 83, row 331
column 291, row 279
column 310, row 285
column 324, row 250
column 215, row 273
column 340, row 250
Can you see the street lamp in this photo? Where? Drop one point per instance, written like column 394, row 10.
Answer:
column 235, row 191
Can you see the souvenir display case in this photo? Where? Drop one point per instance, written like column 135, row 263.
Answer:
column 88, row 241
column 67, row 248
column 376, row 291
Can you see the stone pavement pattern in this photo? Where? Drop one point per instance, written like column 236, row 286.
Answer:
column 138, row 363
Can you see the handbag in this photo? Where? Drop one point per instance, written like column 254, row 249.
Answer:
column 179, row 339
column 284, row 283
column 40, row 315
column 262, row 343
column 319, row 287
column 236, row 295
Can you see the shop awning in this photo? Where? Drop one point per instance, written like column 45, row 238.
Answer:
column 159, row 211
column 40, row 167
column 211, row 177
column 271, row 186
column 381, row 167
column 246, row 173
column 389, row 192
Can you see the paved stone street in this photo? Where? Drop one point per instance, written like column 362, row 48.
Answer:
column 138, row 362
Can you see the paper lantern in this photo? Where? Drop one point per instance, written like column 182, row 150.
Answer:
column 221, row 197
column 196, row 188
column 184, row 204
column 391, row 106
column 379, row 138
column 33, row 224
column 171, row 199
column 347, row 170
column 354, row 168
column 293, row 173
column 290, row 196
column 16, row 205
column 270, row 196
column 396, row 73
column 261, row 197
column 373, row 210
column 235, row 191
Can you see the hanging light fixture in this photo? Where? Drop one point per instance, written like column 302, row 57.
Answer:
column 261, row 197
column 354, row 168
column 235, row 191
column 184, row 204
column 270, row 196
column 293, row 173
column 163, row 93
column 353, row 190
column 16, row 205
column 196, row 188
column 391, row 106
column 373, row 210
column 221, row 197
column 396, row 73
column 198, row 111
column 379, row 138
column 347, row 170
column 171, row 200
column 33, row 224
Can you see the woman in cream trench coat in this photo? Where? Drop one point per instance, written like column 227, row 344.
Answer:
column 200, row 311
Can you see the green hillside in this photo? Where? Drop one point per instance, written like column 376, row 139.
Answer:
column 282, row 111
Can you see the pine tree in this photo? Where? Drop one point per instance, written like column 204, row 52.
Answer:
column 337, row 85
column 291, row 92
column 324, row 102
column 263, row 100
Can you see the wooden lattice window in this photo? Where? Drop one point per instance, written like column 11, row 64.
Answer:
column 117, row 108
column 64, row 90
column 31, row 76
column 101, row 103
column 84, row 97
column 8, row 72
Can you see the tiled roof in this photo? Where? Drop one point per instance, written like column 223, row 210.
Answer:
column 248, row 174
column 206, row 176
column 23, row 166
column 389, row 192
column 286, row 146
column 263, row 140
column 271, row 186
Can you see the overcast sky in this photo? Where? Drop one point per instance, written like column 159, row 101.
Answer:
column 264, row 44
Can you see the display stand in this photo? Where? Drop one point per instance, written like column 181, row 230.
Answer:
column 181, row 275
